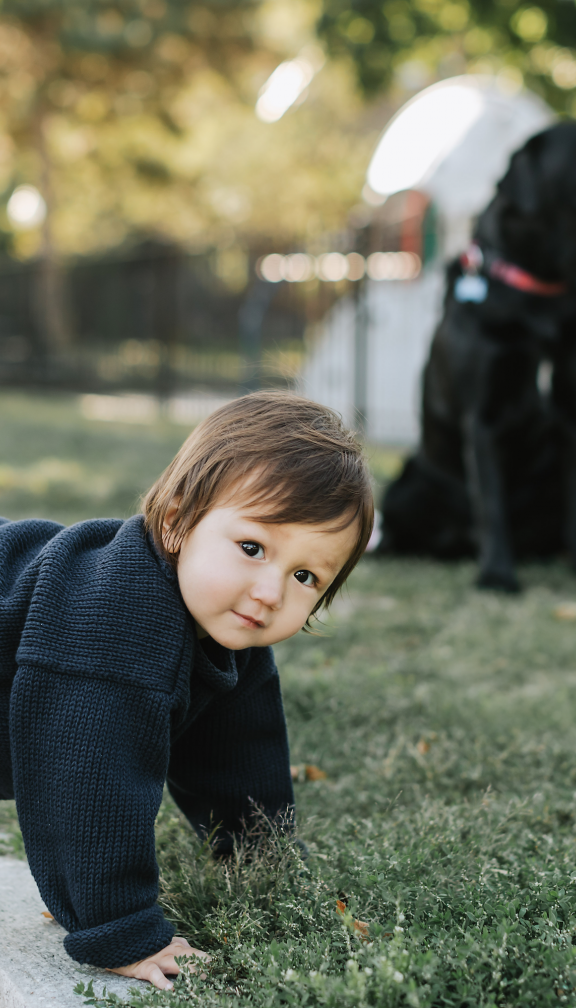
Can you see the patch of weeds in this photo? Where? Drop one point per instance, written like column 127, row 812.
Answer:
column 463, row 906
column 10, row 836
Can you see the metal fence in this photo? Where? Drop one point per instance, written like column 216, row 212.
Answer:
column 152, row 319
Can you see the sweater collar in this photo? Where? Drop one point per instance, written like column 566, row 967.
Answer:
column 167, row 569
column 216, row 665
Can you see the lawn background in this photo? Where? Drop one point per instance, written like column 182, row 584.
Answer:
column 444, row 720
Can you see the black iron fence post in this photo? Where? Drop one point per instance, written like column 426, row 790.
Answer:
column 250, row 319
column 361, row 356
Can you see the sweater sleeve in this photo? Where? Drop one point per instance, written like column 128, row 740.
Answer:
column 90, row 758
column 234, row 755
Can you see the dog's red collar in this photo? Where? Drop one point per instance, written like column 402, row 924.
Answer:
column 473, row 259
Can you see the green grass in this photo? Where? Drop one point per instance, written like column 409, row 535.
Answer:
column 445, row 720
column 56, row 464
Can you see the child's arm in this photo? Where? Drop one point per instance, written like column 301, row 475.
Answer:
column 89, row 760
column 235, row 754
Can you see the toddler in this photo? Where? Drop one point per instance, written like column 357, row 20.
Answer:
column 137, row 653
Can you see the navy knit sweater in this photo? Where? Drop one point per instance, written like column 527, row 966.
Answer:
column 106, row 693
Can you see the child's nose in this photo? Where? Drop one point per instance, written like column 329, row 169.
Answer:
column 269, row 590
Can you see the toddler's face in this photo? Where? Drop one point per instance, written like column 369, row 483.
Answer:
column 249, row 584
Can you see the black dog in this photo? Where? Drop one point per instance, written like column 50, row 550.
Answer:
column 495, row 474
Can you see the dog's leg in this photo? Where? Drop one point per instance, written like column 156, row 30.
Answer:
column 485, row 483
column 570, row 483
column 570, row 488
column 564, row 399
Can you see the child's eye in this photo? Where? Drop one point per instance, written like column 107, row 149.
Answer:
column 253, row 549
column 306, row 578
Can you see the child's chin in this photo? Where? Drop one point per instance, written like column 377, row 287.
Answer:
column 235, row 641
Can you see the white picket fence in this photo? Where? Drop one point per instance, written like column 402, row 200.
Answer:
column 400, row 320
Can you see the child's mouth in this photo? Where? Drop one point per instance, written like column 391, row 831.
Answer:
column 247, row 621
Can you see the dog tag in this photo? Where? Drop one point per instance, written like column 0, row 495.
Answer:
column 471, row 288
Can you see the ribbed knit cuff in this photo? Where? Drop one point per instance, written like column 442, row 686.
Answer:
column 121, row 942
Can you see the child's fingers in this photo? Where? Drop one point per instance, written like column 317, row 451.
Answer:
column 166, row 960
column 152, row 972
column 168, row 964
column 179, row 940
column 152, row 969
column 189, row 951
column 156, row 966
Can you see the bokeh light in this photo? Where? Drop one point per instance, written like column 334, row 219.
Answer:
column 333, row 267
column 271, row 268
column 356, row 266
column 26, row 208
column 393, row 266
column 283, row 88
column 299, row 267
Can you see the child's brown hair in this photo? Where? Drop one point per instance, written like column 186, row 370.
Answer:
column 303, row 465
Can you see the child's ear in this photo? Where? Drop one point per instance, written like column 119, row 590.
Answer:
column 169, row 517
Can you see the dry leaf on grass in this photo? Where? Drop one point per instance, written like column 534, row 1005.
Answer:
column 361, row 927
column 307, row 772
column 314, row 772
column 423, row 746
column 566, row 611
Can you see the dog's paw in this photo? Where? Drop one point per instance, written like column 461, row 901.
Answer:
column 496, row 580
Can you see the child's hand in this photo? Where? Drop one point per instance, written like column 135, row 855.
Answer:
column 156, row 966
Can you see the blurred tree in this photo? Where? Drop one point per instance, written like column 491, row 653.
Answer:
column 137, row 117
column 79, row 60
column 417, row 40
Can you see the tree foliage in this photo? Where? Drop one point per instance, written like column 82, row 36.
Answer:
column 138, row 117
column 130, row 30
column 526, row 42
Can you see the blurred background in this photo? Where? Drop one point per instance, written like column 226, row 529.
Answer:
column 202, row 198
